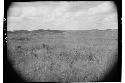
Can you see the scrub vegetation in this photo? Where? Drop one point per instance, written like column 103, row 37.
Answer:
column 62, row 56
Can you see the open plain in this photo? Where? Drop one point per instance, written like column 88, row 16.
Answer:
column 63, row 56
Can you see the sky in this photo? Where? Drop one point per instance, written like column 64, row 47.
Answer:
column 80, row 15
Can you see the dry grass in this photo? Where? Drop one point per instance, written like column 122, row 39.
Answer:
column 61, row 56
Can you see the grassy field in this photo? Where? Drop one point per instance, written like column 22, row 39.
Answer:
column 62, row 56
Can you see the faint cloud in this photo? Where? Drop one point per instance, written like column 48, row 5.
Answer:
column 102, row 8
column 59, row 17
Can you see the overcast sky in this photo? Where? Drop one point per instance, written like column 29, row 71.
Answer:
column 62, row 16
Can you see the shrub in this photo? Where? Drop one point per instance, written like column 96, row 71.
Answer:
column 50, row 49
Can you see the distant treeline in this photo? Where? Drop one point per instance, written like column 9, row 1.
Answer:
column 36, row 31
column 55, row 31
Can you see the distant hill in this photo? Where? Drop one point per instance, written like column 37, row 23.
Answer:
column 59, row 31
column 36, row 31
column 18, row 31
